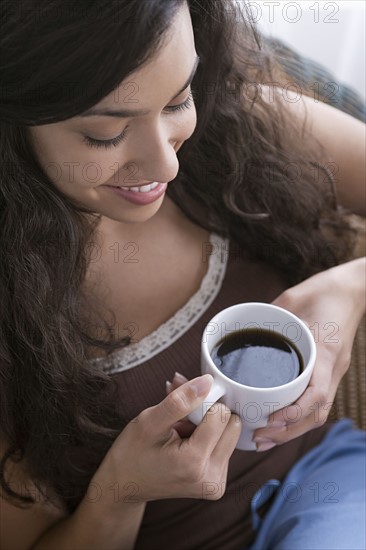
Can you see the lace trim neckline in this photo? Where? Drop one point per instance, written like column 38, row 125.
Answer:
column 172, row 329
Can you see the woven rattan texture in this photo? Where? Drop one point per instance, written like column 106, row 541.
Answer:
column 351, row 396
column 313, row 78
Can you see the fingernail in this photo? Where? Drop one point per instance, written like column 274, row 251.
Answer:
column 276, row 424
column 180, row 378
column 168, row 386
column 202, row 384
column 265, row 446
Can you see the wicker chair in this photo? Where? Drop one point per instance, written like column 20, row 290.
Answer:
column 350, row 400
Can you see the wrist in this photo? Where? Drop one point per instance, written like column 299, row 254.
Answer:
column 110, row 499
column 112, row 494
column 111, row 516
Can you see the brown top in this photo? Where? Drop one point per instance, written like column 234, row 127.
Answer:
column 187, row 524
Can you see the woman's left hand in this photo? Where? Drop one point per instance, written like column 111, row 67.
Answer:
column 332, row 304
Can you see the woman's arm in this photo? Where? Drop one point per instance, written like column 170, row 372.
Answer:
column 96, row 523
column 332, row 303
column 147, row 461
column 342, row 136
column 94, row 526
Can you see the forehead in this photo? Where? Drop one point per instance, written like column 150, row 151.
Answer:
column 164, row 73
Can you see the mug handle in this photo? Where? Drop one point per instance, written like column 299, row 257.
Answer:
column 217, row 390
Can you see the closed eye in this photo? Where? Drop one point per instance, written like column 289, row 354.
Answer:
column 97, row 143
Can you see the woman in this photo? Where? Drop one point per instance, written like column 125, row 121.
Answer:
column 105, row 291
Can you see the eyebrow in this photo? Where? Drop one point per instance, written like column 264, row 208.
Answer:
column 137, row 112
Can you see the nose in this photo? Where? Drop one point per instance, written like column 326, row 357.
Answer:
column 155, row 154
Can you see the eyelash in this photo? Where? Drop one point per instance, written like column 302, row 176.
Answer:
column 91, row 142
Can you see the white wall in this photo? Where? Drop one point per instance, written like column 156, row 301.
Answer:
column 331, row 33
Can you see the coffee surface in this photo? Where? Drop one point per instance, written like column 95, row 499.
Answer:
column 257, row 358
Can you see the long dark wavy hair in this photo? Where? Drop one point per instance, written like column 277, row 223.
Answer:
column 244, row 174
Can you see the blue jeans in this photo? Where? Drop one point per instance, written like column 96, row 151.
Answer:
column 320, row 505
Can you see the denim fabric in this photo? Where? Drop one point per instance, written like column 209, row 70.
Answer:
column 320, row 505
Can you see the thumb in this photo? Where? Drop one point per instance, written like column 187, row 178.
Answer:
column 178, row 404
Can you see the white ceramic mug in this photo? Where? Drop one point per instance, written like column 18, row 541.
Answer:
column 253, row 405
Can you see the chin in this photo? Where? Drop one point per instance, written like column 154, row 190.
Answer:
column 134, row 215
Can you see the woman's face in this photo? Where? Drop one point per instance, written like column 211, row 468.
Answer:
column 147, row 149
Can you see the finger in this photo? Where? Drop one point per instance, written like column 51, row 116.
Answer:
column 306, row 414
column 310, row 410
column 209, row 432
column 177, row 381
column 185, row 428
column 177, row 405
column 229, row 439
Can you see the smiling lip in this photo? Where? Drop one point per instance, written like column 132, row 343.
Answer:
column 139, row 185
column 136, row 197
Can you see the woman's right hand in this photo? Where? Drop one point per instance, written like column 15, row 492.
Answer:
column 150, row 455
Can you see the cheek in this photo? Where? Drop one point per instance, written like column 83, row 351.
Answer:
column 69, row 163
column 78, row 167
column 86, row 174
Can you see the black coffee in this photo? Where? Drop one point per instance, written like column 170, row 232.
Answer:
column 257, row 357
